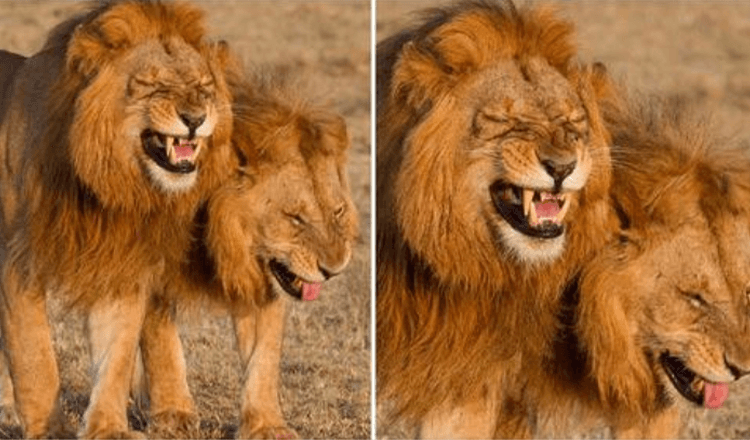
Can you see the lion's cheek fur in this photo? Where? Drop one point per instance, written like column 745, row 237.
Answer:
column 435, row 222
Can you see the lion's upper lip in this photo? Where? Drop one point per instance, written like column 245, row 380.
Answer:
column 173, row 153
column 292, row 283
column 686, row 381
column 534, row 212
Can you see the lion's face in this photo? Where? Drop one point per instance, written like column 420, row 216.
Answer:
column 150, row 99
column 307, row 227
column 528, row 151
column 170, row 109
column 688, row 299
column 290, row 210
column 487, row 143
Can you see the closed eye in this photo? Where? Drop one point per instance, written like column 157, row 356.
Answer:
column 695, row 299
column 296, row 219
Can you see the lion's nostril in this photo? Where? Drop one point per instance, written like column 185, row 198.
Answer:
column 192, row 122
column 734, row 369
column 326, row 273
column 559, row 171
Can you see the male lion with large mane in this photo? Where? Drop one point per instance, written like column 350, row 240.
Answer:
column 493, row 176
column 659, row 321
column 283, row 225
column 113, row 134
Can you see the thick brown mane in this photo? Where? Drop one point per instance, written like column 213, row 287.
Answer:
column 78, row 167
column 273, row 129
column 669, row 167
column 95, row 202
column 456, row 309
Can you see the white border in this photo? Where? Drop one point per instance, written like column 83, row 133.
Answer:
column 373, row 226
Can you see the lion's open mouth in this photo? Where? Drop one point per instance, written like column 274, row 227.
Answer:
column 292, row 284
column 174, row 154
column 536, row 213
column 692, row 386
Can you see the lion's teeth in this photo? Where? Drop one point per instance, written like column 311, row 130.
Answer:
column 527, row 196
column 533, row 219
column 170, row 148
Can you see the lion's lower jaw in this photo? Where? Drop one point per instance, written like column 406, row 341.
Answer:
column 531, row 250
column 171, row 182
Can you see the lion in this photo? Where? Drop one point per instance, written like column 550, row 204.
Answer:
column 282, row 226
column 493, row 175
column 112, row 135
column 658, row 321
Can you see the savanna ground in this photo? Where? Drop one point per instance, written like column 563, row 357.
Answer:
column 325, row 368
column 697, row 50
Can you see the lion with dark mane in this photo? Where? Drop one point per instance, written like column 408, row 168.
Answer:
column 493, row 177
column 111, row 136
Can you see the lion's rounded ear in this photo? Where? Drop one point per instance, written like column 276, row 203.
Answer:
column 324, row 131
column 601, row 82
column 417, row 76
column 85, row 52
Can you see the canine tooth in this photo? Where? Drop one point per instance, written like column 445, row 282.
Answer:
column 533, row 220
column 527, row 196
column 170, row 148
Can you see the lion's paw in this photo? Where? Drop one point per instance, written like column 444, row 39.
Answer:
column 9, row 416
column 174, row 424
column 268, row 432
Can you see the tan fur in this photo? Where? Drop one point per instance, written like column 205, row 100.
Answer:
column 290, row 202
column 675, row 280
column 479, row 92
column 83, row 215
column 686, row 196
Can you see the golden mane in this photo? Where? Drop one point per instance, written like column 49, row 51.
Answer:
column 672, row 176
column 667, row 161
column 456, row 308
column 272, row 129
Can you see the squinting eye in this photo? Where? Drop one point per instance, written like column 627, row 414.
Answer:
column 695, row 299
column 296, row 219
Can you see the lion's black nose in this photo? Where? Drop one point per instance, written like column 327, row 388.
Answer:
column 192, row 122
column 558, row 171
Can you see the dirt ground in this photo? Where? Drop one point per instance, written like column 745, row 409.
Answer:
column 699, row 50
column 326, row 360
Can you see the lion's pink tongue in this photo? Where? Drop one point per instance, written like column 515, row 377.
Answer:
column 310, row 291
column 714, row 394
column 183, row 151
column 548, row 209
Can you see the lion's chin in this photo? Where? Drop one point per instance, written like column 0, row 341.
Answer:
column 532, row 212
column 691, row 385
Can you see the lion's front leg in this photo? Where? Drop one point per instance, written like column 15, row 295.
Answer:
column 114, row 327
column 31, row 358
column 259, row 339
column 8, row 414
column 172, row 408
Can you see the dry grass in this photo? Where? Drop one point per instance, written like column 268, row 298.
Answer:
column 326, row 361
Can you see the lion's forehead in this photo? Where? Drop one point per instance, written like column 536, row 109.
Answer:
column 543, row 94
column 180, row 66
